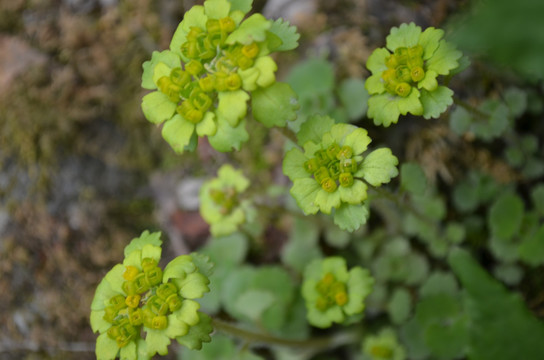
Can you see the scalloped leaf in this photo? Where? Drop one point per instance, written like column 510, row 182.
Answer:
column 383, row 110
column 232, row 106
column 167, row 57
column 502, row 327
column 314, row 128
column 157, row 107
column 305, row 191
column 350, row 217
column 253, row 29
column 379, row 167
column 178, row 132
column 287, row 33
column 275, row 105
column 354, row 97
column 106, row 348
column 412, row 178
column 146, row 238
column 217, row 9
column 444, row 59
column 227, row 137
column 241, row 5
column 406, row 35
column 293, row 164
column 436, row 102
column 505, row 216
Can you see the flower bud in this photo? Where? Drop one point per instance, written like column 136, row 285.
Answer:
column 180, row 77
column 332, row 150
column 194, row 67
column 417, row 74
column 118, row 302
column 334, row 169
column 165, row 290
column 348, row 165
column 251, row 50
column 233, row 82
column 345, row 152
column 157, row 305
column 206, row 84
column 159, row 322
column 130, row 272
column 403, row 89
column 201, row 101
column 345, row 179
column 329, row 185
column 227, row 24
column 322, row 157
column 244, row 62
column 311, row 165
column 133, row 301
column 148, row 264
column 402, row 74
column 136, row 317
column 140, row 284
column 174, row 302
column 321, row 174
column 154, row 276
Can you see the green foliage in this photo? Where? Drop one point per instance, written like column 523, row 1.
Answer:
column 501, row 326
column 343, row 101
column 482, row 33
column 277, row 274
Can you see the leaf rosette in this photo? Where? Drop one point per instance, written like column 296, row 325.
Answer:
column 138, row 297
column 331, row 175
column 332, row 293
column 203, row 82
column 404, row 74
column 221, row 204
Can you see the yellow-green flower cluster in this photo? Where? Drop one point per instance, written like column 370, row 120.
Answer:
column 138, row 296
column 220, row 202
column 217, row 57
column 332, row 293
column 405, row 74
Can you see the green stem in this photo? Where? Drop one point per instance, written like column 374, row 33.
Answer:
column 288, row 133
column 314, row 345
column 470, row 108
column 408, row 207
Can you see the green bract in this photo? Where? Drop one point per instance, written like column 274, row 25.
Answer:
column 138, row 297
column 404, row 74
column 331, row 175
column 332, row 294
column 383, row 346
column 220, row 204
column 202, row 83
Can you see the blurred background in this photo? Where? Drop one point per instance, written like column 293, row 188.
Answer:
column 82, row 172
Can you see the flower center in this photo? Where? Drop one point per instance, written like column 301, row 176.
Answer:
column 382, row 352
column 404, row 70
column 331, row 292
column 226, row 199
column 213, row 67
column 147, row 302
column 332, row 167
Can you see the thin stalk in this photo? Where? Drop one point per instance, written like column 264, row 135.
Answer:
column 470, row 108
column 314, row 345
column 288, row 133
